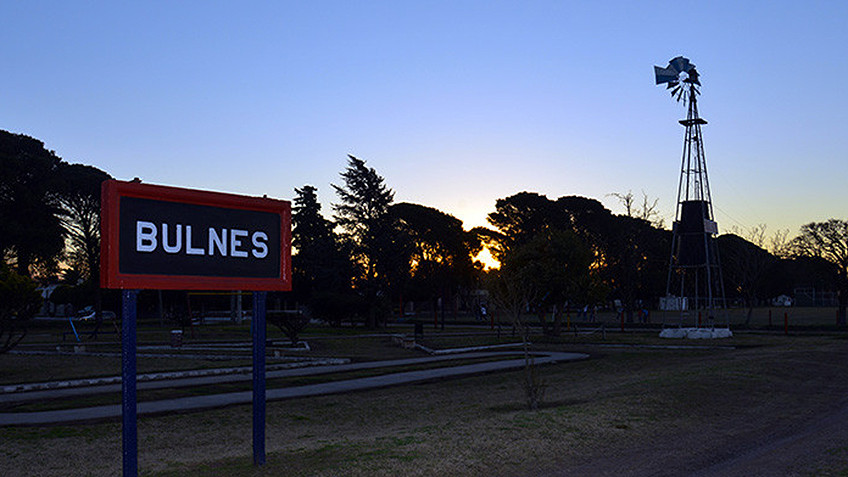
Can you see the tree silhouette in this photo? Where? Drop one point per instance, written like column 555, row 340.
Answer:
column 558, row 266
column 828, row 241
column 19, row 300
column 440, row 251
column 79, row 196
column 519, row 218
column 321, row 268
column 555, row 244
column 363, row 216
column 747, row 267
column 31, row 232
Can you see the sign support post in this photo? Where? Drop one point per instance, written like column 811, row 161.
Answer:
column 259, row 300
column 167, row 238
column 128, row 383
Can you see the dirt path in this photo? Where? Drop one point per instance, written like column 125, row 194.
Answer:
column 798, row 427
column 806, row 450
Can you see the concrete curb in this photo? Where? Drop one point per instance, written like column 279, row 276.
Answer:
column 73, row 383
column 245, row 397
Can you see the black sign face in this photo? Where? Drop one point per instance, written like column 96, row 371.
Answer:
column 163, row 237
column 159, row 237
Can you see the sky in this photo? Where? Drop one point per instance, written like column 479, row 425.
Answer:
column 455, row 103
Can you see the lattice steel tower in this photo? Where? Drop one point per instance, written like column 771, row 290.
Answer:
column 694, row 272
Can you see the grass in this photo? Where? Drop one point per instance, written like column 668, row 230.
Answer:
column 623, row 403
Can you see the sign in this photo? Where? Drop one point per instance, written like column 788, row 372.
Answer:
column 159, row 237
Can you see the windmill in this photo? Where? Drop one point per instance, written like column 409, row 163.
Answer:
column 695, row 286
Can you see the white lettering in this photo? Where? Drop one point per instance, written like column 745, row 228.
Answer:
column 218, row 241
column 189, row 249
column 148, row 240
column 176, row 247
column 145, row 236
column 235, row 242
column 260, row 248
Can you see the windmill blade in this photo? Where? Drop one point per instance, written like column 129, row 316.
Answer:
column 671, row 84
column 679, row 64
column 694, row 77
column 665, row 75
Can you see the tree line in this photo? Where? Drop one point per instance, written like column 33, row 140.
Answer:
column 49, row 229
column 375, row 255
column 555, row 254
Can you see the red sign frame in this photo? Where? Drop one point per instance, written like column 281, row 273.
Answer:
column 110, row 213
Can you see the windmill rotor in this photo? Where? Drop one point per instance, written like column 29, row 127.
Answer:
column 679, row 76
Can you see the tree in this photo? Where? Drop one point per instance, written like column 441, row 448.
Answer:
column 313, row 242
column 557, row 265
column 363, row 216
column 555, row 244
column 747, row 266
column 631, row 252
column 79, row 196
column 518, row 219
column 440, row 252
column 514, row 288
column 31, row 232
column 321, row 267
column 645, row 210
column 19, row 301
column 635, row 258
column 828, row 241
column 587, row 217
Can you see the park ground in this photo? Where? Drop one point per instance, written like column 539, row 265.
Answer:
column 764, row 402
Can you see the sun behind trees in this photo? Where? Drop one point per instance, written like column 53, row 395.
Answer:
column 375, row 256
column 572, row 254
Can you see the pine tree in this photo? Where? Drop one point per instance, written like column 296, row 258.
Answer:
column 366, row 225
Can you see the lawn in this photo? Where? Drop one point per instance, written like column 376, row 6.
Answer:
column 625, row 402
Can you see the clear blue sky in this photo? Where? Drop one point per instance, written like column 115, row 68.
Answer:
column 455, row 103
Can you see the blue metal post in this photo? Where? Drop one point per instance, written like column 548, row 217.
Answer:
column 128, row 381
column 71, row 321
column 258, row 325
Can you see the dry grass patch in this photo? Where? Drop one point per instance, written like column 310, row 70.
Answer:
column 628, row 405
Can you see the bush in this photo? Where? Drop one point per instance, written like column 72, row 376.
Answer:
column 19, row 301
column 291, row 323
